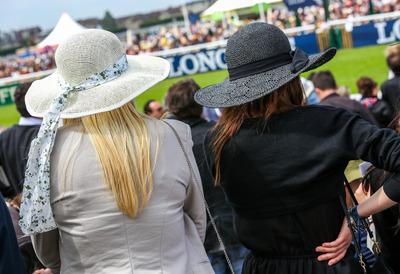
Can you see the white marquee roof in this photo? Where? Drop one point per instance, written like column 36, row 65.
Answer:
column 65, row 27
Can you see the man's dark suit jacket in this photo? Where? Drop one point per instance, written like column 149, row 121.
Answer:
column 351, row 105
column 14, row 148
column 391, row 91
column 215, row 197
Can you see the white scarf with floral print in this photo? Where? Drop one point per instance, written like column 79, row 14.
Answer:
column 36, row 215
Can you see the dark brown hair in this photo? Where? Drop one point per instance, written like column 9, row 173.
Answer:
column 19, row 98
column 366, row 86
column 180, row 100
column 285, row 98
column 324, row 80
column 147, row 108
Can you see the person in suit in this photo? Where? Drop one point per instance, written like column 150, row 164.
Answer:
column 391, row 88
column 117, row 195
column 15, row 142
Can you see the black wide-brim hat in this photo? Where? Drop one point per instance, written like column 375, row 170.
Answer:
column 259, row 60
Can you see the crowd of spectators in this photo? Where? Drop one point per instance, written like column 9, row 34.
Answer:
column 33, row 63
column 175, row 37
column 338, row 9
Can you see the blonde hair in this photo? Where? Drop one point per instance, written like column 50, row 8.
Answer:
column 392, row 50
column 122, row 142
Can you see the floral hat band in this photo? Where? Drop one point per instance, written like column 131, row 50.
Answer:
column 98, row 78
column 36, row 215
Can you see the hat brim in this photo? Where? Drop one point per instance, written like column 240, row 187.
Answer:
column 233, row 93
column 143, row 72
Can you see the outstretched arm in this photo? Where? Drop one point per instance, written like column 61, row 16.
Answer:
column 376, row 203
column 335, row 251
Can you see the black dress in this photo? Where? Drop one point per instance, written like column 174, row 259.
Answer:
column 289, row 241
column 283, row 179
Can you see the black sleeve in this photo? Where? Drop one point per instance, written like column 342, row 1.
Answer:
column 381, row 147
column 362, row 140
column 392, row 187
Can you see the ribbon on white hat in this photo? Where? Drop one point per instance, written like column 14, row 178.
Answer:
column 36, row 215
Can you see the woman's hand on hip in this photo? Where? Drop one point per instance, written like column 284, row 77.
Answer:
column 335, row 251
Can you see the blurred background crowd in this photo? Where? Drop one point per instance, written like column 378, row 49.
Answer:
column 166, row 38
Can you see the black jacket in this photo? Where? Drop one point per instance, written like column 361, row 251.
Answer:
column 391, row 91
column 215, row 197
column 14, row 148
column 297, row 159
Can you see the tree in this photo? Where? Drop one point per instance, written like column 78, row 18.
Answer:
column 108, row 22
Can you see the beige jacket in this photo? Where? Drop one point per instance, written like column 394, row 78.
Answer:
column 93, row 236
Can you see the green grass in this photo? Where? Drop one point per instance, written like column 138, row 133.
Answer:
column 347, row 66
column 8, row 115
column 350, row 64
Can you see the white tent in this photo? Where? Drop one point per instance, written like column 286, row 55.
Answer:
column 65, row 27
column 227, row 5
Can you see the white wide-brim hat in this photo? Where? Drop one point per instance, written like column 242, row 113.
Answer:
column 84, row 54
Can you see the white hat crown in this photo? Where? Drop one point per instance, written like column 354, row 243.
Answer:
column 90, row 51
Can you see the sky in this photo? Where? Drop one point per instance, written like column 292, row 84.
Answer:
column 20, row 14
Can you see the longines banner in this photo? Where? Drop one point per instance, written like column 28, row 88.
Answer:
column 376, row 33
column 201, row 61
